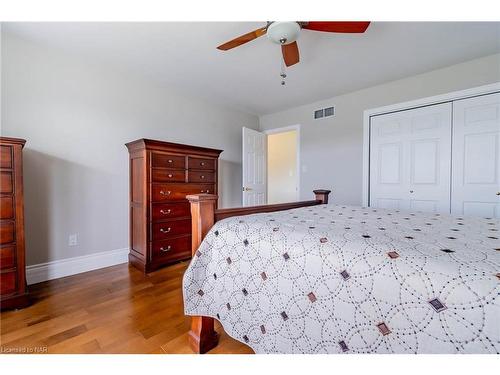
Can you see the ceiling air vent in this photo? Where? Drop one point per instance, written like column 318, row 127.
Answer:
column 325, row 112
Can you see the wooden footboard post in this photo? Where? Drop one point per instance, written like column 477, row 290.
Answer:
column 202, row 336
column 322, row 195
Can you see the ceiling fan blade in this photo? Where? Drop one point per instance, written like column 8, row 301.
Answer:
column 337, row 26
column 290, row 53
column 243, row 39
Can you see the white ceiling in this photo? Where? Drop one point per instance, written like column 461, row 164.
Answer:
column 183, row 56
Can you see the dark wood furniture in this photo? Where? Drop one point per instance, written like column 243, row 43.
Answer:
column 202, row 336
column 13, row 291
column 161, row 175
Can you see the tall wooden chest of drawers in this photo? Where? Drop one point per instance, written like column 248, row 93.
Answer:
column 161, row 175
column 13, row 291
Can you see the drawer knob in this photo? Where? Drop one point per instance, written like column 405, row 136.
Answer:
column 165, row 249
column 202, row 177
column 205, row 191
column 170, row 175
column 165, row 230
column 170, row 161
column 202, row 163
column 165, row 192
column 165, row 212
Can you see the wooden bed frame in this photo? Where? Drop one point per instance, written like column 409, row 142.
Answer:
column 202, row 336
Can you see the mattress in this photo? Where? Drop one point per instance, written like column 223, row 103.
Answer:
column 342, row 279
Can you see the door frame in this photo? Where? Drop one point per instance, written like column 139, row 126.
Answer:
column 422, row 102
column 285, row 129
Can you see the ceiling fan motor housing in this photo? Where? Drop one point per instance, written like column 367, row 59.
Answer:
column 283, row 32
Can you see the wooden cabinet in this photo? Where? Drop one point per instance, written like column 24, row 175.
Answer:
column 161, row 175
column 13, row 291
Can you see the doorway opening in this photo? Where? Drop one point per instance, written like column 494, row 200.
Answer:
column 282, row 165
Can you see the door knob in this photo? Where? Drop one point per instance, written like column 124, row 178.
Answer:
column 498, row 192
column 411, row 191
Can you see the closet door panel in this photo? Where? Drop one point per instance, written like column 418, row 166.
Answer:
column 476, row 156
column 410, row 159
column 388, row 176
column 430, row 158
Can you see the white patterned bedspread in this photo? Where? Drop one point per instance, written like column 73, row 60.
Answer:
column 334, row 279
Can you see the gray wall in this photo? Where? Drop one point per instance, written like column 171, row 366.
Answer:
column 332, row 148
column 76, row 116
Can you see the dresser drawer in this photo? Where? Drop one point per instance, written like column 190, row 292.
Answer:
column 200, row 163
column 167, row 192
column 168, row 175
column 8, row 282
column 7, row 207
column 6, row 232
column 175, row 248
column 7, row 257
column 5, row 156
column 201, row 176
column 162, row 211
column 160, row 160
column 171, row 228
column 6, row 185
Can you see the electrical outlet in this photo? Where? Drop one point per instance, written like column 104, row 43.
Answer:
column 73, row 239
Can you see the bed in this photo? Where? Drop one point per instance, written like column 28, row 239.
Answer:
column 311, row 277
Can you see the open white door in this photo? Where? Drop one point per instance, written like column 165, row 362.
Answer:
column 254, row 168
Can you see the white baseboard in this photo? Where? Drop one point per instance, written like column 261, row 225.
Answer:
column 71, row 266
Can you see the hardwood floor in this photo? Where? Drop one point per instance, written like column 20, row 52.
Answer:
column 111, row 310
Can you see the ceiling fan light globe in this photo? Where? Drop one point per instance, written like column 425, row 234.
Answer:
column 283, row 32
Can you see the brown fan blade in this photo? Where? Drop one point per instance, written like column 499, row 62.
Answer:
column 337, row 26
column 243, row 39
column 290, row 53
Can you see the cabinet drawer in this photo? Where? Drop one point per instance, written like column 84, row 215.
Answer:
column 160, row 160
column 7, row 207
column 5, row 157
column 7, row 257
column 168, row 175
column 175, row 248
column 169, row 210
column 200, row 163
column 8, row 282
column 6, row 232
column 171, row 228
column 201, row 176
column 6, row 186
column 167, row 192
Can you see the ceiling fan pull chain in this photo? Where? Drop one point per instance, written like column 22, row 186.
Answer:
column 282, row 73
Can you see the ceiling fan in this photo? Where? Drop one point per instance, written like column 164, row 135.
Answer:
column 286, row 34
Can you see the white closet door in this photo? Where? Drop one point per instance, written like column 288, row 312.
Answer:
column 476, row 156
column 254, row 167
column 410, row 156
